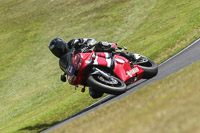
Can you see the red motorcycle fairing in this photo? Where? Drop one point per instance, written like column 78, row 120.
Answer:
column 103, row 59
column 122, row 68
column 124, row 71
column 80, row 61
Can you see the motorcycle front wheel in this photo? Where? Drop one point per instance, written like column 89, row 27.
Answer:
column 112, row 86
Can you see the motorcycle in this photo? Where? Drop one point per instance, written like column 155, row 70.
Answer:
column 105, row 72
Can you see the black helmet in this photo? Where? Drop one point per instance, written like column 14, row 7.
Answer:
column 58, row 47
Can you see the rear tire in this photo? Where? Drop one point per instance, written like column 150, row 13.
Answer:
column 150, row 69
column 113, row 86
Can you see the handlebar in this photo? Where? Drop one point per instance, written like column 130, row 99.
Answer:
column 120, row 50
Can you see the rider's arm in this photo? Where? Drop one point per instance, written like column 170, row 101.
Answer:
column 79, row 42
column 105, row 47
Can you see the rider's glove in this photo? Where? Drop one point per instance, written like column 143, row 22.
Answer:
column 78, row 43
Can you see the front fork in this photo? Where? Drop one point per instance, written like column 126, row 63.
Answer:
column 99, row 72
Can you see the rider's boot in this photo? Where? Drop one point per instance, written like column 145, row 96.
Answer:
column 95, row 94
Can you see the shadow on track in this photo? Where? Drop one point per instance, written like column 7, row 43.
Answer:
column 39, row 127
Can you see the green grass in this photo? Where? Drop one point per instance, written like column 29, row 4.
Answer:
column 32, row 98
column 168, row 106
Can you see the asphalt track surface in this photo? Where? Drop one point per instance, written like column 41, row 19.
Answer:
column 186, row 57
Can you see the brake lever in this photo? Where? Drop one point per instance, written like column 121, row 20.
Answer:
column 124, row 48
column 120, row 49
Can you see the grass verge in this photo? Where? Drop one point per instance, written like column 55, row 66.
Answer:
column 170, row 105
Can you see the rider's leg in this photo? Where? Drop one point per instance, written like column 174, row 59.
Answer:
column 129, row 56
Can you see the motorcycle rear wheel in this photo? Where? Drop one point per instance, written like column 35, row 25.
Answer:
column 150, row 69
column 113, row 86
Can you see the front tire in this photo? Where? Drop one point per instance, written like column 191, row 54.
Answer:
column 113, row 86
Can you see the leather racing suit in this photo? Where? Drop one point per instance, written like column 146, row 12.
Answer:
column 77, row 43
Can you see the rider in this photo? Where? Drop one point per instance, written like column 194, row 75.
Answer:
column 63, row 51
column 59, row 47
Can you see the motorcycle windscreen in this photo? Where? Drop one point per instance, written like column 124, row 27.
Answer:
column 66, row 64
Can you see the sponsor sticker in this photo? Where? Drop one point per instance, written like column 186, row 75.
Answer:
column 133, row 71
column 70, row 68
